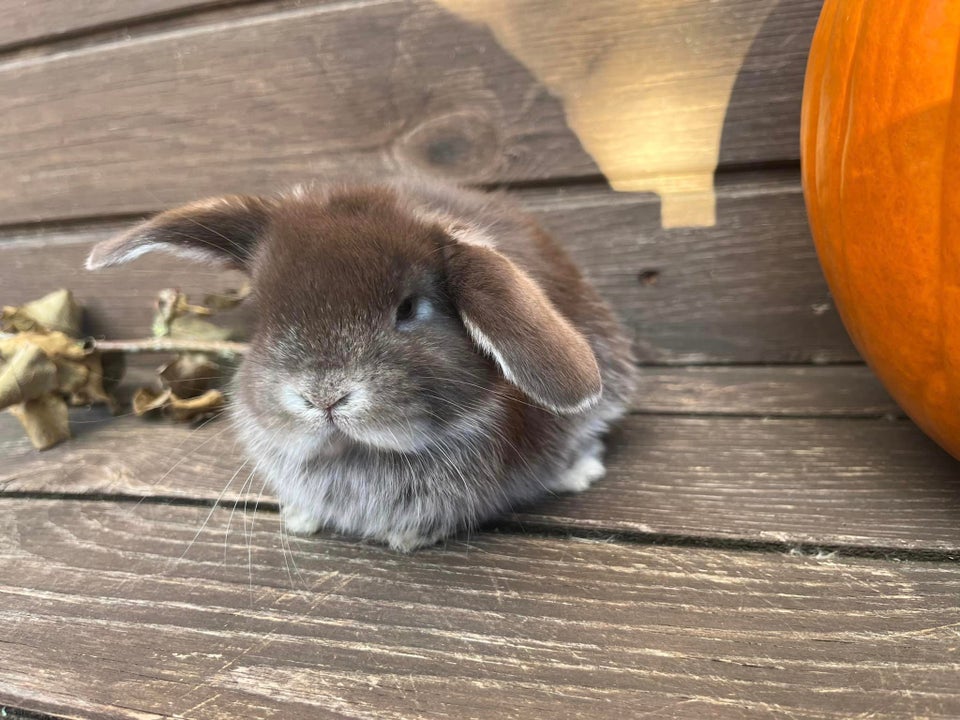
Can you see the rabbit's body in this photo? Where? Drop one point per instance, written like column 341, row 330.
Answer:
column 425, row 358
column 411, row 500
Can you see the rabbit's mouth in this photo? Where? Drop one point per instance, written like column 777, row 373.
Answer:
column 408, row 437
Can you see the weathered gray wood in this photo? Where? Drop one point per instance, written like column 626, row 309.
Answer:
column 133, row 618
column 868, row 483
column 775, row 391
column 117, row 303
column 36, row 21
column 255, row 101
column 748, row 290
column 843, row 391
column 833, row 482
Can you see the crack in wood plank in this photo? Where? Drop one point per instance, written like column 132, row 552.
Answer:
column 583, row 626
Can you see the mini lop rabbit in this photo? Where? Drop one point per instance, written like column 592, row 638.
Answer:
column 423, row 357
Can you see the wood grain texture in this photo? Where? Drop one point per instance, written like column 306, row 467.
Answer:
column 646, row 86
column 819, row 482
column 136, row 619
column 822, row 482
column 253, row 102
column 749, row 290
column 35, row 21
column 117, row 303
column 774, row 391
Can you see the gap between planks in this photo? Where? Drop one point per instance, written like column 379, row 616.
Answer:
column 537, row 530
column 120, row 26
column 717, row 295
column 864, row 487
column 617, row 630
column 755, row 178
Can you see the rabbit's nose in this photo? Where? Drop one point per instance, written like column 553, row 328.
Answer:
column 326, row 401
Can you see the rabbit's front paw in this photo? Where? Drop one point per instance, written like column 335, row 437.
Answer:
column 298, row 521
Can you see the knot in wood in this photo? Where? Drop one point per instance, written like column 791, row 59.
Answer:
column 461, row 145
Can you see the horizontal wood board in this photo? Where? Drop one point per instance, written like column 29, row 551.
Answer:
column 876, row 485
column 773, row 391
column 35, row 21
column 769, row 391
column 749, row 290
column 254, row 102
column 138, row 616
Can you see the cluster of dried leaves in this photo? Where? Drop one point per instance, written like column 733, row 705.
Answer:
column 187, row 391
column 45, row 367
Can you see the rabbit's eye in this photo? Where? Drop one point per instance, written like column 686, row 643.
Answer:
column 406, row 310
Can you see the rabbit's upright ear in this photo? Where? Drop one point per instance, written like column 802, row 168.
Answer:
column 221, row 230
column 511, row 319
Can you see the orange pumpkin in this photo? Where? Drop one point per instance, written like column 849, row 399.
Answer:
column 881, row 175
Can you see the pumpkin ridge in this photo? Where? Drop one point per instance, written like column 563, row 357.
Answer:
column 849, row 312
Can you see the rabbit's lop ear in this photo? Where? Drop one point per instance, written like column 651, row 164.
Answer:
column 511, row 319
column 221, row 230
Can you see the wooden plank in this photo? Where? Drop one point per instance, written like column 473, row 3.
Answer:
column 823, row 482
column 133, row 618
column 43, row 20
column 820, row 482
column 117, row 304
column 749, row 290
column 776, row 391
column 253, row 102
column 841, row 391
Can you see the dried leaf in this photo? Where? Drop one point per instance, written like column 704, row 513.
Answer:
column 147, row 400
column 56, row 312
column 173, row 305
column 73, row 375
column 190, row 374
column 185, row 308
column 166, row 311
column 190, row 327
column 12, row 319
column 228, row 299
column 41, row 365
column 92, row 390
column 44, row 419
column 28, row 375
column 196, row 408
column 112, row 367
column 54, row 344
column 177, row 318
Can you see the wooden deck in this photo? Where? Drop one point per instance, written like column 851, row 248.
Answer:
column 773, row 540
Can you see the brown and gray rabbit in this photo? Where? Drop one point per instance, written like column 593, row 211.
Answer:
column 423, row 358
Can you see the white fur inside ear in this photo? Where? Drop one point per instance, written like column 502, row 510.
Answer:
column 487, row 346
column 297, row 192
column 105, row 254
column 101, row 258
column 585, row 404
column 468, row 233
column 481, row 339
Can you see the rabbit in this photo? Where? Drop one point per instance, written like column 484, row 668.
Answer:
column 423, row 357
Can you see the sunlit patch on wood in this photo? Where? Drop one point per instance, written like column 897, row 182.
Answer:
column 645, row 85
